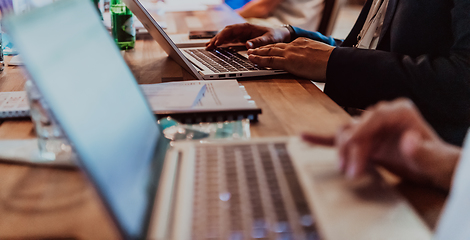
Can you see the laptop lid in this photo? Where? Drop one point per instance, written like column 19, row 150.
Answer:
column 160, row 36
column 94, row 97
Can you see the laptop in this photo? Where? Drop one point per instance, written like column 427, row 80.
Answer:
column 265, row 188
column 220, row 63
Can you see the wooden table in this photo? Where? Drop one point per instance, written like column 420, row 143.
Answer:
column 40, row 202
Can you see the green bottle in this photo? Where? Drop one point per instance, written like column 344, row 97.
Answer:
column 122, row 25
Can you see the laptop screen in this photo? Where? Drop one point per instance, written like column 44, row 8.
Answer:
column 95, row 98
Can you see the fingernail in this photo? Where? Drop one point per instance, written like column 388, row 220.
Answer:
column 249, row 44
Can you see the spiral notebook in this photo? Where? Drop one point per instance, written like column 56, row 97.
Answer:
column 201, row 101
column 13, row 105
column 187, row 102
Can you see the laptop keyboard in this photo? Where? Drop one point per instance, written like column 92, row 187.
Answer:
column 249, row 192
column 222, row 60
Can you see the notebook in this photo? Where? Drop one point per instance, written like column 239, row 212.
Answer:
column 221, row 100
column 268, row 188
column 13, row 104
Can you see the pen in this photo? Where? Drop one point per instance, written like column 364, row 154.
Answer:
column 199, row 95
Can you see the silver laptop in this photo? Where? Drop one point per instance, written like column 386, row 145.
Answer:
column 266, row 188
column 216, row 64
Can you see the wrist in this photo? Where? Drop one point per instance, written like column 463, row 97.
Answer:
column 288, row 32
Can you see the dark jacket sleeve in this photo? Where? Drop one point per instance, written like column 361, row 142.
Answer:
column 437, row 82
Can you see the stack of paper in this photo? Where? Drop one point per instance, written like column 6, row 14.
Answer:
column 13, row 104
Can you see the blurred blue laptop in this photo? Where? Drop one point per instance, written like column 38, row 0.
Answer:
column 258, row 189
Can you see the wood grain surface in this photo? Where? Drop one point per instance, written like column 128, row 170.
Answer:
column 44, row 203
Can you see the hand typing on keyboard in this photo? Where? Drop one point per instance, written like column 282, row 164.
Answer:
column 253, row 35
column 302, row 57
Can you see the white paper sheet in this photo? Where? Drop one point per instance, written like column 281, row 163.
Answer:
column 184, row 7
column 201, row 2
column 183, row 41
column 27, row 151
column 161, row 7
column 137, row 24
column 219, row 95
column 193, row 22
column 15, row 61
column 171, row 95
